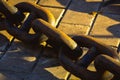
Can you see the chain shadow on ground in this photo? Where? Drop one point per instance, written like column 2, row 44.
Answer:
column 80, row 10
column 16, row 62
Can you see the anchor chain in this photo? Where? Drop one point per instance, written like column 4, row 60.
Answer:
column 11, row 12
column 96, row 49
column 35, row 11
column 69, row 50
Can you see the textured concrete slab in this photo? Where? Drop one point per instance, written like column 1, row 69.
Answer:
column 111, row 9
column 48, row 67
column 78, row 13
column 13, row 2
column 4, row 41
column 93, row 0
column 74, row 78
column 9, row 75
column 54, row 3
column 54, row 74
column 19, row 59
column 106, row 29
column 74, row 29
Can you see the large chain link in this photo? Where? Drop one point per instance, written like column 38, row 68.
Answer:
column 56, row 37
column 11, row 13
column 106, row 60
column 96, row 51
column 35, row 11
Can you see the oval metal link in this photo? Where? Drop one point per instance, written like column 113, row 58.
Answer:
column 56, row 37
column 39, row 11
column 42, row 21
column 79, row 68
column 11, row 12
column 36, row 12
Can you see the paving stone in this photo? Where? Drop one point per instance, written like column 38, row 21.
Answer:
column 19, row 58
column 74, row 29
column 13, row 2
column 53, row 73
column 43, row 76
column 79, row 13
column 9, row 75
column 93, row 0
column 106, row 29
column 111, row 9
column 47, row 67
column 54, row 3
column 74, row 78
column 4, row 41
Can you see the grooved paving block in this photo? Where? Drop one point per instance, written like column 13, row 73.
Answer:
column 4, row 40
column 111, row 9
column 107, row 29
column 19, row 58
column 54, row 3
column 79, row 13
column 74, row 78
column 7, row 75
column 47, row 69
column 93, row 0
column 13, row 2
column 73, row 29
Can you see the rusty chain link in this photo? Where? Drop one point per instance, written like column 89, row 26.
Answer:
column 106, row 60
column 11, row 12
column 35, row 12
column 96, row 49
column 58, row 39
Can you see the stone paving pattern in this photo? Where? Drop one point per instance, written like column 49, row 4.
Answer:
column 74, row 17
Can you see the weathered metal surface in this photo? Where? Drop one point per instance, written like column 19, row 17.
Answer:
column 83, row 62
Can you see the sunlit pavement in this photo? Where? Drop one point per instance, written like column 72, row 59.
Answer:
column 74, row 17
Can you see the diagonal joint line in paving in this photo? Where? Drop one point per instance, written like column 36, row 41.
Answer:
column 73, row 24
column 52, row 6
column 96, row 15
column 118, row 50
column 7, row 47
column 66, row 8
column 37, row 1
column 37, row 58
